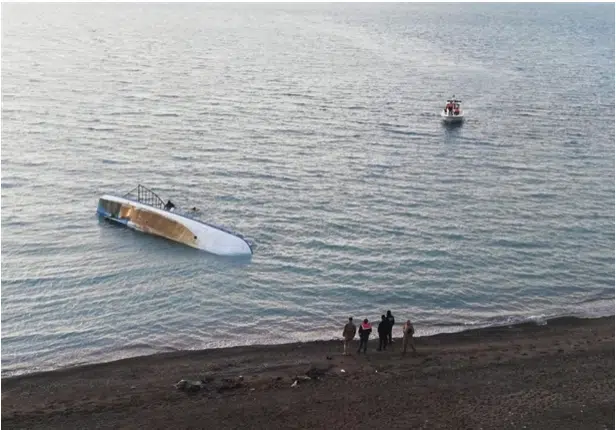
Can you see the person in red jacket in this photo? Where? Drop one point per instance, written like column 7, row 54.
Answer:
column 364, row 334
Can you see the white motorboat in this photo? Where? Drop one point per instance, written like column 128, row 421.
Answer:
column 452, row 112
column 143, row 210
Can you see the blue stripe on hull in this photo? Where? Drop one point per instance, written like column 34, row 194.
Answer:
column 108, row 216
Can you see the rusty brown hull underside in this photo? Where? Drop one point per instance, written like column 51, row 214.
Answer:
column 150, row 221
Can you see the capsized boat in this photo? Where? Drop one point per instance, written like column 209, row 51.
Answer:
column 143, row 210
column 452, row 111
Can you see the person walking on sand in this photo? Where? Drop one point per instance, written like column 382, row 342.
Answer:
column 348, row 334
column 383, row 330
column 364, row 334
column 407, row 336
column 392, row 321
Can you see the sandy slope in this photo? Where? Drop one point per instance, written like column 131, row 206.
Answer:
column 559, row 375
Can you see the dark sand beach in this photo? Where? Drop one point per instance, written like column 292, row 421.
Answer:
column 554, row 376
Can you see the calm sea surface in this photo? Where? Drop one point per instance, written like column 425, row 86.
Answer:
column 314, row 130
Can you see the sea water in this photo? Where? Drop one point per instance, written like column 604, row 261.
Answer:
column 313, row 129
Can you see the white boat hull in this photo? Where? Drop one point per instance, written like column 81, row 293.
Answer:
column 174, row 226
column 451, row 118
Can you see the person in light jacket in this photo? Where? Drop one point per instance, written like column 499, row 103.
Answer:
column 348, row 334
column 407, row 336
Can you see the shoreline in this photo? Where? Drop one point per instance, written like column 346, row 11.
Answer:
column 559, row 374
column 397, row 328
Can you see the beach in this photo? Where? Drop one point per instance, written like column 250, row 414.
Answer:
column 555, row 375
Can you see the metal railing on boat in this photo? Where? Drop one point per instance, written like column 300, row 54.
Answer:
column 146, row 196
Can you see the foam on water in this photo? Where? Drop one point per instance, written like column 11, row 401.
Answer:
column 313, row 129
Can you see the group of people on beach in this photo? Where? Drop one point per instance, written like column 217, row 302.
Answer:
column 384, row 330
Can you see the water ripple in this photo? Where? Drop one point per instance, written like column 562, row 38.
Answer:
column 313, row 129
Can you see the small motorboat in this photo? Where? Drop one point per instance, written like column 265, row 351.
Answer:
column 143, row 210
column 452, row 113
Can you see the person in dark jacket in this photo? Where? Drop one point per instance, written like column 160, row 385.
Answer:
column 392, row 321
column 364, row 334
column 384, row 329
column 169, row 205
